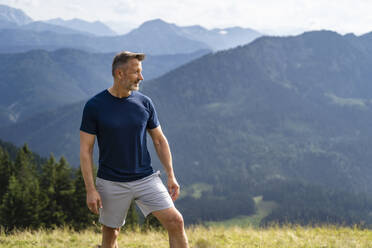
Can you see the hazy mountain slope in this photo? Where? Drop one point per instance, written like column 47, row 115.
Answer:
column 13, row 15
column 39, row 26
column 36, row 81
column 279, row 106
column 219, row 38
column 156, row 41
column 65, row 119
column 20, row 40
column 7, row 25
column 155, row 37
column 96, row 28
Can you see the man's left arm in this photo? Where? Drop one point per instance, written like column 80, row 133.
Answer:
column 162, row 149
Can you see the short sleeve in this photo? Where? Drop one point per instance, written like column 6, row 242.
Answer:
column 89, row 120
column 153, row 120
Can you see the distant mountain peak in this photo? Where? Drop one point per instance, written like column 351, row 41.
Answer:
column 216, row 39
column 13, row 15
column 195, row 29
column 159, row 26
column 95, row 27
column 57, row 19
column 156, row 23
column 322, row 33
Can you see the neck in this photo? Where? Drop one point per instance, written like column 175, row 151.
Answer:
column 119, row 92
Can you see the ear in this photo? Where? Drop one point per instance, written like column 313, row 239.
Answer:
column 118, row 73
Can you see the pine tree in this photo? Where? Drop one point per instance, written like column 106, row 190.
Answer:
column 64, row 186
column 81, row 217
column 57, row 187
column 22, row 202
column 10, row 211
column 6, row 170
column 25, row 162
column 51, row 213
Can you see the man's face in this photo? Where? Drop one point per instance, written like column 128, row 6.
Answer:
column 130, row 75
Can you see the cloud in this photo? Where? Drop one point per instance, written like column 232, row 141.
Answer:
column 341, row 15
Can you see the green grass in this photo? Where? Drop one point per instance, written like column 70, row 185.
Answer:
column 243, row 232
column 202, row 237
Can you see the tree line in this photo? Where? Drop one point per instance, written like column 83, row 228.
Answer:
column 306, row 204
column 46, row 193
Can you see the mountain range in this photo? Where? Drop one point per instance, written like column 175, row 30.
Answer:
column 13, row 16
column 285, row 118
column 288, row 118
column 216, row 39
column 16, row 18
column 97, row 28
column 283, row 107
column 20, row 40
column 38, row 80
column 155, row 37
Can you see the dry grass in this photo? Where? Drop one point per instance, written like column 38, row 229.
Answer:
column 201, row 237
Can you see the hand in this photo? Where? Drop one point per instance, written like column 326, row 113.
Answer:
column 173, row 188
column 94, row 201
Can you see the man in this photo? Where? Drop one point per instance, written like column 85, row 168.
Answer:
column 119, row 117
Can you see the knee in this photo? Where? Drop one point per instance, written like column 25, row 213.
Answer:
column 112, row 233
column 116, row 232
column 176, row 223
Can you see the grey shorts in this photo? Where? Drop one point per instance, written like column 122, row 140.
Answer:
column 149, row 193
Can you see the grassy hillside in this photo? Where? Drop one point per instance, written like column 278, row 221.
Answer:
column 200, row 237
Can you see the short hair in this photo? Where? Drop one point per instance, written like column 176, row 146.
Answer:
column 123, row 57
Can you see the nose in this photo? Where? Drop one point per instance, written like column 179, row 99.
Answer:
column 140, row 76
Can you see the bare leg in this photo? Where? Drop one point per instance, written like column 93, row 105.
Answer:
column 172, row 220
column 110, row 237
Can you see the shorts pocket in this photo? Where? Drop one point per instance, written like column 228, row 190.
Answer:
column 157, row 173
column 98, row 183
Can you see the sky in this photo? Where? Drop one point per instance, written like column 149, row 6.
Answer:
column 277, row 17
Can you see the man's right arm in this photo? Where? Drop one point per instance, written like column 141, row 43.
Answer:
column 86, row 164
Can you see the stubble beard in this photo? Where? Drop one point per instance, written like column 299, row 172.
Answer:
column 135, row 86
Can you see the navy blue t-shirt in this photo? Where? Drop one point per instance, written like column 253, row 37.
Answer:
column 120, row 126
